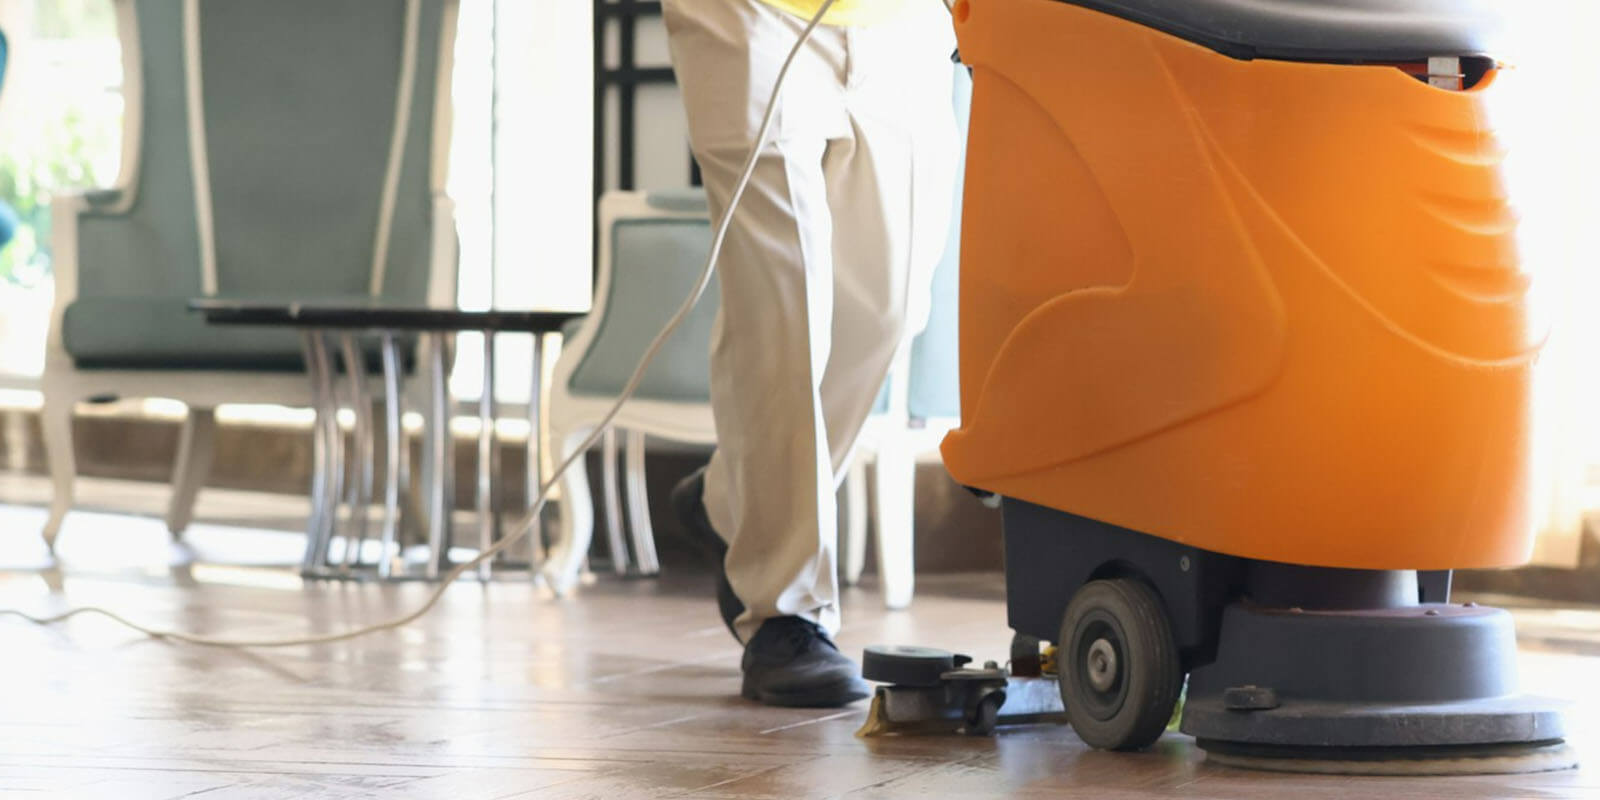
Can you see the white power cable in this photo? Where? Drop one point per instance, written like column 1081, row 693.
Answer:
column 544, row 491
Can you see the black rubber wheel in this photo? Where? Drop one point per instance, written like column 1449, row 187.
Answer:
column 981, row 721
column 1118, row 665
column 900, row 665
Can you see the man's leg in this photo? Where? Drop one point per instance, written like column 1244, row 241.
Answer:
column 890, row 188
column 768, row 490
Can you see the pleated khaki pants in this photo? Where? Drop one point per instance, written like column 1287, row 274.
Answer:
column 825, row 268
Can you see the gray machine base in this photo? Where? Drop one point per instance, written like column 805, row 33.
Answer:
column 1430, row 675
column 1296, row 662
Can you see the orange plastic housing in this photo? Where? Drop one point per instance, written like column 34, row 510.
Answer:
column 1271, row 309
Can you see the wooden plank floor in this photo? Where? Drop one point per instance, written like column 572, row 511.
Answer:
column 627, row 690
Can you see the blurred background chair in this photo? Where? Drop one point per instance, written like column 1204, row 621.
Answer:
column 263, row 156
column 652, row 247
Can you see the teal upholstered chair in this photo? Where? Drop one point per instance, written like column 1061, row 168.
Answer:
column 272, row 148
column 651, row 250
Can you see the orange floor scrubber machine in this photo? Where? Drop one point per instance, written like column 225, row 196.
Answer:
column 1245, row 355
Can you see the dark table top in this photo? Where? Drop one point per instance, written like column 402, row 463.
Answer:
column 374, row 314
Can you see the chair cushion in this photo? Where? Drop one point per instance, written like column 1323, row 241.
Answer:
column 162, row 333
column 298, row 121
column 686, row 201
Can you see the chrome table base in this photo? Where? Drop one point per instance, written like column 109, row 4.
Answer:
column 342, row 490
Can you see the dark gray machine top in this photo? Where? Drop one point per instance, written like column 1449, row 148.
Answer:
column 1322, row 30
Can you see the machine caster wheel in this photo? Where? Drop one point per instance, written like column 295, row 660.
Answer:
column 899, row 665
column 1118, row 665
column 983, row 717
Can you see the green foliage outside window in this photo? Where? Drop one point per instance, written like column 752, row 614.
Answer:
column 61, row 156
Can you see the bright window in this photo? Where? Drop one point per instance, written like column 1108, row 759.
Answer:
column 1549, row 112
column 60, row 129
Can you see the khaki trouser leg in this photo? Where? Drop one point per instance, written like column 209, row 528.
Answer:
column 839, row 226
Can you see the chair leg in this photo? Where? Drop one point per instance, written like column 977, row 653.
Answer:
column 328, row 445
column 613, row 507
column 438, row 450
column 569, row 548
column 395, row 461
column 56, row 420
column 896, row 484
column 359, row 479
column 488, row 465
column 189, row 471
column 855, row 529
column 533, row 469
column 644, row 538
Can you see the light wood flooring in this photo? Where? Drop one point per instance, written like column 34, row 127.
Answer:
column 626, row 690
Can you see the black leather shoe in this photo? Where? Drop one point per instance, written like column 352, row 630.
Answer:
column 688, row 504
column 791, row 662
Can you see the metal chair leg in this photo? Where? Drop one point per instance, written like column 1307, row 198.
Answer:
column 319, row 455
column 439, row 457
column 360, row 489
column 396, row 456
column 644, row 540
column 488, row 458
column 327, row 444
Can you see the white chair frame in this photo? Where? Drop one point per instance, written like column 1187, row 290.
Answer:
column 64, row 384
column 573, row 417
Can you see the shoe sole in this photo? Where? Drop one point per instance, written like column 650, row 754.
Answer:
column 833, row 695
